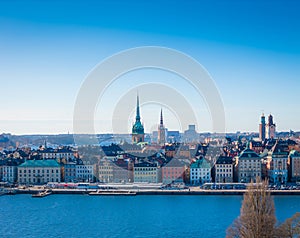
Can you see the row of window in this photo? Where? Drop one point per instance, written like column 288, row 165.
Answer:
column 144, row 173
column 203, row 178
column 195, row 170
column 224, row 170
column 200, row 173
column 30, row 175
column 251, row 175
column 144, row 169
column 224, row 165
column 84, row 171
column 38, row 171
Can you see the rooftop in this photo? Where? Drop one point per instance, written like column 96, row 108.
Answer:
column 40, row 163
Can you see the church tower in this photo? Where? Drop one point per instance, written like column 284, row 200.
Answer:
column 262, row 128
column 161, row 131
column 270, row 128
column 137, row 128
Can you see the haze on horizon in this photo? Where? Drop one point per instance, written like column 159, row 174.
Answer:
column 250, row 48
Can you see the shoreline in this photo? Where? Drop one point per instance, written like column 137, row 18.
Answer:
column 119, row 192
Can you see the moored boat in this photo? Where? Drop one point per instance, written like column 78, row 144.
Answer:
column 41, row 194
column 112, row 193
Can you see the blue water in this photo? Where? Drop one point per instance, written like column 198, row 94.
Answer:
column 140, row 216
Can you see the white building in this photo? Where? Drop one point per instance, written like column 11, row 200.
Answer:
column 224, row 170
column 146, row 172
column 39, row 172
column 200, row 172
column 60, row 153
column 84, row 173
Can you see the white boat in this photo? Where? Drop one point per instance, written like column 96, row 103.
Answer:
column 42, row 194
column 112, row 193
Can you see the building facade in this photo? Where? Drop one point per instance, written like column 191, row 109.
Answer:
column 200, row 172
column 277, row 162
column 9, row 173
column 173, row 172
column 105, row 171
column 146, row 172
column 294, row 166
column 58, row 154
column 70, row 172
column 224, row 170
column 84, row 173
column 249, row 166
column 39, row 172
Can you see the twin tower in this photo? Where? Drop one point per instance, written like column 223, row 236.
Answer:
column 138, row 133
column 267, row 131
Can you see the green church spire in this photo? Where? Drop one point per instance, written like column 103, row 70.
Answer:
column 138, row 128
column 138, row 117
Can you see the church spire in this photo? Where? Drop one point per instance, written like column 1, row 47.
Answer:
column 161, row 118
column 137, row 128
column 138, row 117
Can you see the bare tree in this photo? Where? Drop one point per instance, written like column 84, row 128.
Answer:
column 257, row 218
column 290, row 228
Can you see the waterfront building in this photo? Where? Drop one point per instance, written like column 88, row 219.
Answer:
column 39, row 172
column 70, row 172
column 224, row 170
column 174, row 172
column 9, row 173
column 122, row 171
column 146, row 172
column 115, row 171
column 200, row 172
column 277, row 161
column 248, row 166
column 105, row 171
column 294, row 166
column 84, row 172
column 161, row 131
column 270, row 128
column 262, row 128
column 138, row 134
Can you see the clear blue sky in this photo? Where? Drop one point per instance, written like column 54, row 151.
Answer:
column 251, row 49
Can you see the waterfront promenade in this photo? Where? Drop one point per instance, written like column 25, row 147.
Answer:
column 118, row 192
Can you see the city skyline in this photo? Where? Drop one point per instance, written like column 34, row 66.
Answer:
column 249, row 48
